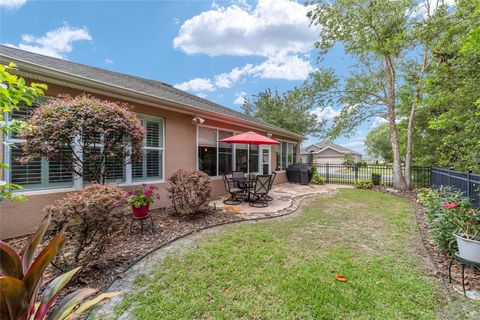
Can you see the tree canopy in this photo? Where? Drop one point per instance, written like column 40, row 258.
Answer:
column 291, row 110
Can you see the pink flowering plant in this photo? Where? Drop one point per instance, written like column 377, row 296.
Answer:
column 142, row 196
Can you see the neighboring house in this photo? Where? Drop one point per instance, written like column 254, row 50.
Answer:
column 327, row 152
column 186, row 128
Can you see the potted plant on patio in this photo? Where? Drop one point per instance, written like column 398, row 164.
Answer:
column 141, row 199
column 467, row 223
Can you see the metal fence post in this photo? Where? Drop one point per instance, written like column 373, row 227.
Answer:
column 469, row 191
column 327, row 172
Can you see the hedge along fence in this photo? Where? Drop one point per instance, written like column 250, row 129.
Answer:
column 348, row 174
column 466, row 182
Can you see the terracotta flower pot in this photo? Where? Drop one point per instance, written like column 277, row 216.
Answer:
column 140, row 212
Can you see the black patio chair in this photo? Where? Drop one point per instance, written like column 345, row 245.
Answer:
column 274, row 174
column 237, row 175
column 258, row 194
column 236, row 194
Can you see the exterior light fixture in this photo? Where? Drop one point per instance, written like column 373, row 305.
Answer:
column 197, row 120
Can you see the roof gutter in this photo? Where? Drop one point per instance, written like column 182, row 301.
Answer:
column 39, row 72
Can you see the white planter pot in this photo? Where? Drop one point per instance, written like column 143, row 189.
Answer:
column 468, row 249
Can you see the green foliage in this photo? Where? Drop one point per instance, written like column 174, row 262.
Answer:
column 142, row 196
column 290, row 110
column 22, row 277
column 449, row 212
column 90, row 217
column 189, row 191
column 449, row 121
column 376, row 179
column 363, row 184
column 313, row 169
column 378, row 143
column 101, row 130
column 318, row 179
column 14, row 90
column 348, row 159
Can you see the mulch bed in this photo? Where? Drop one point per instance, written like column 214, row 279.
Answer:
column 128, row 247
column 440, row 258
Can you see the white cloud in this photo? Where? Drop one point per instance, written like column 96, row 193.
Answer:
column 196, row 85
column 109, row 61
column 55, row 43
column 281, row 66
column 240, row 98
column 176, row 20
column 12, row 4
column 326, row 114
column 202, row 95
column 272, row 26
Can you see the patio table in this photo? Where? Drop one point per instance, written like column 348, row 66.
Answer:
column 245, row 183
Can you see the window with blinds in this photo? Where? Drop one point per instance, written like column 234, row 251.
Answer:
column 150, row 167
column 37, row 173
column 44, row 174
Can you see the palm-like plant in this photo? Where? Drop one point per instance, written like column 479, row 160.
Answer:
column 21, row 277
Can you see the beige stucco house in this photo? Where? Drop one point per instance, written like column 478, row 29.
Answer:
column 185, row 127
column 327, row 152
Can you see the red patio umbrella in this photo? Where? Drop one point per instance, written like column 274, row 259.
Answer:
column 249, row 138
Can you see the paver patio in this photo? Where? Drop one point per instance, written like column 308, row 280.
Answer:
column 284, row 197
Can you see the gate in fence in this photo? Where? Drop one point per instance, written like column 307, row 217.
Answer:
column 467, row 182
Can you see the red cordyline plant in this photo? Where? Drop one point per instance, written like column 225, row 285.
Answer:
column 21, row 278
column 465, row 219
column 101, row 131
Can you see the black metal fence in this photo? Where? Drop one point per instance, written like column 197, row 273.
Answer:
column 348, row 174
column 467, row 182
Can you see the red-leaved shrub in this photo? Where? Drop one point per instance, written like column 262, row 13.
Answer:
column 189, row 191
column 91, row 217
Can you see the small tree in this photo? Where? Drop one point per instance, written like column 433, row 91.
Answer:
column 348, row 159
column 13, row 91
column 84, row 134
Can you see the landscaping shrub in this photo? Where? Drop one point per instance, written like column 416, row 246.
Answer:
column 313, row 169
column 447, row 209
column 189, row 191
column 90, row 216
column 318, row 179
column 363, row 184
column 376, row 179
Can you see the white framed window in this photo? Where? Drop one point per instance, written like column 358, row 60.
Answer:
column 285, row 154
column 218, row 158
column 39, row 174
column 150, row 167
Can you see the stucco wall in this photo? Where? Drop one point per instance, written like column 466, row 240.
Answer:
column 20, row 218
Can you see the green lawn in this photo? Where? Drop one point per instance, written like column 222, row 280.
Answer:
column 285, row 269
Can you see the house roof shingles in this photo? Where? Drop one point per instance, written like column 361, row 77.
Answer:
column 324, row 144
column 146, row 86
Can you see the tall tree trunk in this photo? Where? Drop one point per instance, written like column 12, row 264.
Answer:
column 409, row 151
column 411, row 123
column 398, row 178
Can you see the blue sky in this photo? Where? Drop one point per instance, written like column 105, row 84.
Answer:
column 220, row 50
